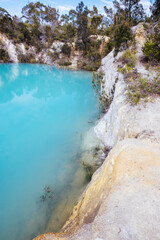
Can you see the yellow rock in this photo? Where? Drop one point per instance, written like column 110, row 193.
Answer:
column 122, row 200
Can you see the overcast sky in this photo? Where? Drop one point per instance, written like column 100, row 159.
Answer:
column 14, row 6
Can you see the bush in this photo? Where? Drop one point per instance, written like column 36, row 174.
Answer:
column 4, row 56
column 108, row 47
column 66, row 50
column 91, row 66
column 98, row 85
column 64, row 63
column 93, row 56
column 28, row 58
column 53, row 55
column 151, row 51
column 122, row 35
column 142, row 88
column 129, row 58
column 151, row 48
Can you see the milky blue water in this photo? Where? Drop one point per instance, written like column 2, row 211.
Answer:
column 44, row 115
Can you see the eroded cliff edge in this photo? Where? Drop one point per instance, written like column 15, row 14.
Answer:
column 122, row 200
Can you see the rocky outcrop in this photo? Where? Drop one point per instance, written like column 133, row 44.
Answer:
column 50, row 55
column 9, row 47
column 122, row 201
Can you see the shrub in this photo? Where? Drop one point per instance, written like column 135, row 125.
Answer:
column 151, row 48
column 129, row 58
column 93, row 56
column 66, row 49
column 53, row 55
column 4, row 55
column 28, row 58
column 141, row 88
column 108, row 48
column 63, row 63
column 151, row 51
column 122, row 35
column 99, row 87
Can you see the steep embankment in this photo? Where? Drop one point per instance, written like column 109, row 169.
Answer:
column 122, row 200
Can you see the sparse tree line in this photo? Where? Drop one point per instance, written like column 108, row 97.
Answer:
column 40, row 25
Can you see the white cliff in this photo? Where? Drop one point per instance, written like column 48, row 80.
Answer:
column 123, row 120
column 9, row 47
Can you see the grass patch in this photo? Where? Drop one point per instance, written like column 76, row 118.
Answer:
column 142, row 88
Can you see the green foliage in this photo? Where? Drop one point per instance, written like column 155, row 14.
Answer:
column 151, row 48
column 122, row 35
column 125, row 13
column 53, row 55
column 6, row 23
column 129, row 58
column 63, row 63
column 93, row 56
column 98, row 86
column 142, row 88
column 38, row 13
column 4, row 57
column 66, row 49
column 131, row 10
column 28, row 58
column 95, row 20
column 108, row 47
column 82, row 26
column 125, row 70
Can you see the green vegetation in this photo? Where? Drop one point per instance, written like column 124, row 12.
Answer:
column 128, row 61
column 63, row 63
column 151, row 48
column 142, row 88
column 66, row 49
column 40, row 25
column 99, row 87
column 28, row 58
column 4, row 55
column 80, row 29
column 120, row 19
column 122, row 36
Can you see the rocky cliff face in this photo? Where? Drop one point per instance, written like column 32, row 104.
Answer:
column 20, row 52
column 122, row 200
column 7, row 45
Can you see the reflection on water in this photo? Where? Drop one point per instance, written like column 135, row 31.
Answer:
column 44, row 115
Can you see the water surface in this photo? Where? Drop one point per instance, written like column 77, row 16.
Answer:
column 44, row 115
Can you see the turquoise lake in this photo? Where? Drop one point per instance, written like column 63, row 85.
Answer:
column 44, row 115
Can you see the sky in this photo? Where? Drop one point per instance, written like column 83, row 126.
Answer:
column 14, row 6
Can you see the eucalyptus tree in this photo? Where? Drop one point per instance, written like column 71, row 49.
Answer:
column 82, row 26
column 132, row 9
column 41, row 19
column 6, row 24
column 95, row 20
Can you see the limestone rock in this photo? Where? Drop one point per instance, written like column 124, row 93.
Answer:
column 123, row 199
